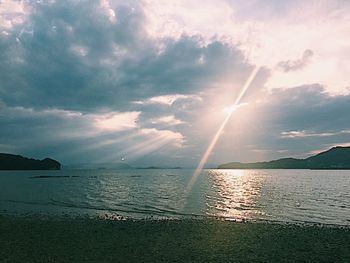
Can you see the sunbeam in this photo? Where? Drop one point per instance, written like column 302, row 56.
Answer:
column 140, row 149
column 221, row 128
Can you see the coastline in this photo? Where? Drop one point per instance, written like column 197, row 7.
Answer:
column 49, row 239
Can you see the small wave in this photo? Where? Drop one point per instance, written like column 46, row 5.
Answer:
column 52, row 176
column 163, row 213
column 146, row 210
column 24, row 202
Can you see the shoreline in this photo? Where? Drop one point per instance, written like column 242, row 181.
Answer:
column 65, row 239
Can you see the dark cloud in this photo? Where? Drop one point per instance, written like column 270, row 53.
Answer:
column 70, row 63
column 310, row 107
column 70, row 55
column 255, row 132
column 307, row 109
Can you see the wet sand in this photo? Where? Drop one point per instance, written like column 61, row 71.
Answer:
column 30, row 239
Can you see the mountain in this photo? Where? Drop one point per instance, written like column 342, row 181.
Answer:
column 18, row 162
column 335, row 158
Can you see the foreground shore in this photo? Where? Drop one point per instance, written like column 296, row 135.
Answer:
column 91, row 240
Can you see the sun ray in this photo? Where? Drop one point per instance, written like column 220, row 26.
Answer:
column 100, row 143
column 140, row 149
column 221, row 128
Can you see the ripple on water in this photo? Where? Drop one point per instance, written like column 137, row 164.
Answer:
column 282, row 195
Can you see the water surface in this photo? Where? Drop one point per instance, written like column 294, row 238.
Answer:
column 274, row 195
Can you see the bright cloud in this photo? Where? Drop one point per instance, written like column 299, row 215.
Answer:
column 270, row 34
column 12, row 13
column 168, row 99
column 116, row 121
column 303, row 134
column 167, row 135
column 187, row 16
column 169, row 120
column 110, row 13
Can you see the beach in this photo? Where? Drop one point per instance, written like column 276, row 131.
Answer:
column 66, row 239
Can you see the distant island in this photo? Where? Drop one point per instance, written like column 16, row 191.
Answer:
column 18, row 162
column 159, row 167
column 335, row 158
column 98, row 166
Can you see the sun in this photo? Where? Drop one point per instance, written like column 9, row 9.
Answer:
column 230, row 109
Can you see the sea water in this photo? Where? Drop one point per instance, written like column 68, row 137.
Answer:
column 311, row 196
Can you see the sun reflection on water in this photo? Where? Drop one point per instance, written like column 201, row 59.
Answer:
column 237, row 194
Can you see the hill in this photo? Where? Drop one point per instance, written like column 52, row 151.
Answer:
column 335, row 158
column 18, row 162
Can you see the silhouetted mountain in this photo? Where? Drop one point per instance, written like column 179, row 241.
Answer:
column 335, row 158
column 17, row 162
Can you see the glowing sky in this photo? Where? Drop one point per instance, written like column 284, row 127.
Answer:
column 152, row 81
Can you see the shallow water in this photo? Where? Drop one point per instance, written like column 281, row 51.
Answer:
column 273, row 195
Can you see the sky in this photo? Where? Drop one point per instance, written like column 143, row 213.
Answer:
column 150, row 82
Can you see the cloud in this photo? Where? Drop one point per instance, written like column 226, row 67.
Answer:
column 303, row 134
column 292, row 65
column 74, row 137
column 12, row 13
column 94, row 70
column 71, row 55
column 110, row 13
column 168, row 135
column 299, row 120
column 94, row 80
column 268, row 32
column 44, row 123
column 168, row 99
column 116, row 121
column 168, row 120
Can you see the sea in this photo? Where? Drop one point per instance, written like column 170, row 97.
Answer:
column 287, row 196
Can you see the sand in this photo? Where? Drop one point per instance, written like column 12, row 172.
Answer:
column 36, row 239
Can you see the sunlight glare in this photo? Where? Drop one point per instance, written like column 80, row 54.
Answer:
column 229, row 109
column 232, row 108
column 219, row 131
